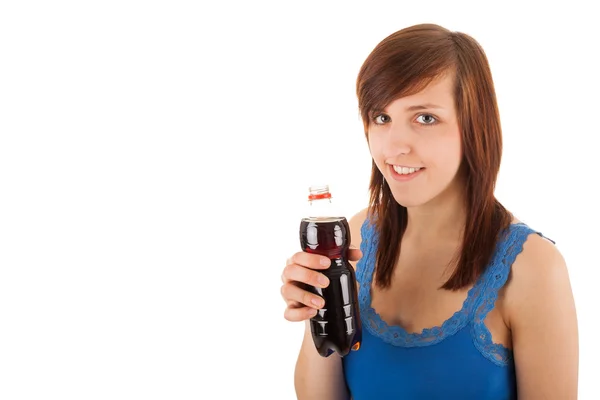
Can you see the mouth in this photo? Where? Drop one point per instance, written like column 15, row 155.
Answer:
column 403, row 174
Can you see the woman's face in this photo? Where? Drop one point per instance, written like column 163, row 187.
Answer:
column 416, row 144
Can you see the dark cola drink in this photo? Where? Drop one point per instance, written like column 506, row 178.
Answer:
column 337, row 326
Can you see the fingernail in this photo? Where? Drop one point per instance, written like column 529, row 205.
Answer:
column 323, row 280
column 326, row 262
column 317, row 302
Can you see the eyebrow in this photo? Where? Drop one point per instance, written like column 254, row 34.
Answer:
column 416, row 107
column 424, row 107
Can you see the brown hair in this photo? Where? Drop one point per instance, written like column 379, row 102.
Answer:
column 402, row 64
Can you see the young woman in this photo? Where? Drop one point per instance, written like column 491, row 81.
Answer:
column 458, row 298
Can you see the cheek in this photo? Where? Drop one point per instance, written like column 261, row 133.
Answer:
column 447, row 155
column 376, row 153
column 377, row 143
column 373, row 149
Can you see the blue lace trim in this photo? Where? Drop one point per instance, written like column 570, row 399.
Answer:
column 495, row 278
column 480, row 299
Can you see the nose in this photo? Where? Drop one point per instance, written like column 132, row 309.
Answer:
column 399, row 140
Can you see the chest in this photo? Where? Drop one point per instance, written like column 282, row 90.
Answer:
column 415, row 299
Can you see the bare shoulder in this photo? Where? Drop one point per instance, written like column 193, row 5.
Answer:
column 356, row 223
column 539, row 270
column 543, row 322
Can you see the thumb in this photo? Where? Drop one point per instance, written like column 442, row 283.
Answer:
column 354, row 253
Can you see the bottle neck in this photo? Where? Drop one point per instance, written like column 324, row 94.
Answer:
column 322, row 208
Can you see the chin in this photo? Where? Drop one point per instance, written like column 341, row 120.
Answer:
column 409, row 200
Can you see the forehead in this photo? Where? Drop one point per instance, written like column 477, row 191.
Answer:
column 439, row 92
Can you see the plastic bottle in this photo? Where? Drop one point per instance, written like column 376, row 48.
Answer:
column 337, row 326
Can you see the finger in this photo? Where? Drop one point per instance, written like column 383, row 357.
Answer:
column 301, row 274
column 312, row 261
column 293, row 304
column 291, row 292
column 299, row 314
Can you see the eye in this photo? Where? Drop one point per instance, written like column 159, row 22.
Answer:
column 427, row 119
column 381, row 119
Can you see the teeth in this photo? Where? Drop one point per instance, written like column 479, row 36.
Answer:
column 405, row 170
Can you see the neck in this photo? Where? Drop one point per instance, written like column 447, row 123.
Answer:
column 441, row 219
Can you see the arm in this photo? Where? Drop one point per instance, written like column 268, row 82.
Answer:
column 318, row 377
column 543, row 322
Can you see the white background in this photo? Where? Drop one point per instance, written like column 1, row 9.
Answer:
column 155, row 158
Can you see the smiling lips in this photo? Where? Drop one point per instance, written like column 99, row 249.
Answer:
column 403, row 174
column 405, row 170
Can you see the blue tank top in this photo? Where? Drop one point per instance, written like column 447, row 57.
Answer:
column 457, row 360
